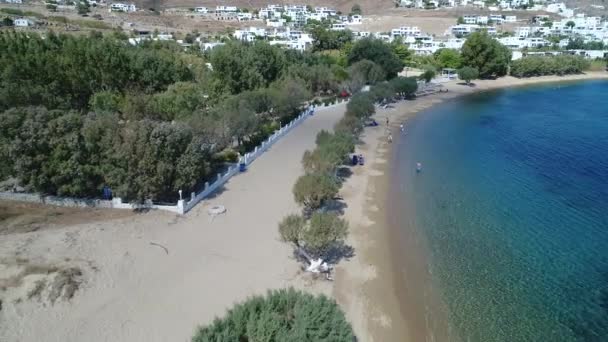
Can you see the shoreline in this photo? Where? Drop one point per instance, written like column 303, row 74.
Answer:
column 384, row 289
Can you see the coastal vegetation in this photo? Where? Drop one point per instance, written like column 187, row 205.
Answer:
column 468, row 74
column 83, row 113
column 548, row 65
column 485, row 53
column 281, row 315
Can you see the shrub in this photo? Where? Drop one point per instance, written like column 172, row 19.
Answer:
column 558, row 65
column 282, row 315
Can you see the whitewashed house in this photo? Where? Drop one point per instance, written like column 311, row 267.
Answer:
column 406, row 31
column 120, row 7
column 338, row 27
column 203, row 10
column 226, row 9
column 355, row 19
column 243, row 16
column 22, row 22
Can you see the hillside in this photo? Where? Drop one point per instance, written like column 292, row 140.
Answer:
column 368, row 6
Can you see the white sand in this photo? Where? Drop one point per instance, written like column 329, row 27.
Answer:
column 141, row 293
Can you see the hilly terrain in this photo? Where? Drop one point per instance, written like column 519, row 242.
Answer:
column 368, row 6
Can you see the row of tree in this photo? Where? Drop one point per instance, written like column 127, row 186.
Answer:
column 318, row 232
column 531, row 66
column 230, row 98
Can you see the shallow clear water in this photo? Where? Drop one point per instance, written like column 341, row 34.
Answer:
column 513, row 204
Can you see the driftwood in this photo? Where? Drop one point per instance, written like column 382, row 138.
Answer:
column 161, row 246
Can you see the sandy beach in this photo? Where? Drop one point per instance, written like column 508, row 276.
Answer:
column 381, row 292
column 155, row 276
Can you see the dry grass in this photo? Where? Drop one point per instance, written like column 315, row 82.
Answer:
column 65, row 284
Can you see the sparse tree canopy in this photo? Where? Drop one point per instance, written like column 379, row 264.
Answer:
column 313, row 190
column 428, row 74
column 324, row 232
column 280, row 316
column 356, row 9
column 378, row 52
column 367, row 70
column 486, row 54
column 468, row 74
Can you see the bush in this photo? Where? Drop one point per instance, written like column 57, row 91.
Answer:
column 282, row 315
column 468, row 73
column 539, row 66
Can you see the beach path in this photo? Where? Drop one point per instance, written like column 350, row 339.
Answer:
column 135, row 290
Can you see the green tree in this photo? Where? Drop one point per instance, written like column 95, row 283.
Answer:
column 467, row 74
column 356, row 9
column 382, row 91
column 368, row 71
column 485, row 53
column 282, row 315
column 460, row 21
column 404, row 86
column 325, row 232
column 428, row 74
column 238, row 67
column 361, row 106
column 401, row 50
column 448, row 58
column 7, row 21
column 312, row 191
column 570, row 24
column 327, row 39
column 83, row 7
column 378, row 52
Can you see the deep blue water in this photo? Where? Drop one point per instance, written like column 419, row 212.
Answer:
column 513, row 204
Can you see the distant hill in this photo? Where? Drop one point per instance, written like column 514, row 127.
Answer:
column 368, row 6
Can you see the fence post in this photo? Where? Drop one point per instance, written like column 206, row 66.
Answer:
column 180, row 207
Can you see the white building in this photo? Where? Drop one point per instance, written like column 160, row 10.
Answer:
column 250, row 34
column 355, row 20
column 326, row 11
column 22, row 22
column 510, row 19
column 119, row 7
column 276, row 22
column 406, row 31
column 338, row 27
column 203, row 10
column 226, row 9
column 242, row 16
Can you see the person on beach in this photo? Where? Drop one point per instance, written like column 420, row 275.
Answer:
column 418, row 167
column 387, row 121
column 390, row 138
column 402, row 128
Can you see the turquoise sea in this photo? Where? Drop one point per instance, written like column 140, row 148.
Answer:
column 512, row 203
